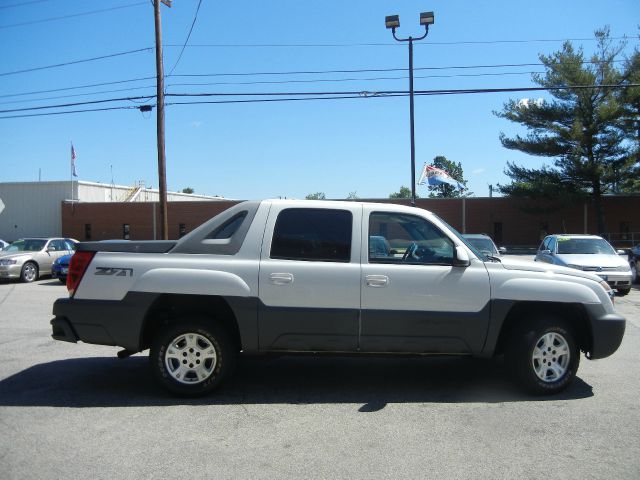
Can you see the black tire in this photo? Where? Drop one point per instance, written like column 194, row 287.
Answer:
column 62, row 280
column 623, row 291
column 201, row 367
column 29, row 272
column 541, row 339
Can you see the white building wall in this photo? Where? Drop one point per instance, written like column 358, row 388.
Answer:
column 32, row 209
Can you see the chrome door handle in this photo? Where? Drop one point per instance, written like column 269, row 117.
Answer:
column 281, row 278
column 377, row 280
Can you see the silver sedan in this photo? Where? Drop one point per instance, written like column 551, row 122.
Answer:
column 590, row 253
column 29, row 258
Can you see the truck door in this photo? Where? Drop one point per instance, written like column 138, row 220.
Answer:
column 413, row 299
column 309, row 283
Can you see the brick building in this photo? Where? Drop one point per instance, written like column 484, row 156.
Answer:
column 511, row 222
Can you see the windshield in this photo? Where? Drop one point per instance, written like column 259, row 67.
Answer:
column 483, row 244
column 471, row 247
column 26, row 246
column 584, row 246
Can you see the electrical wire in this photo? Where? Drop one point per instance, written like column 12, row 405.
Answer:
column 195, row 17
column 70, row 111
column 23, row 4
column 361, row 95
column 234, row 74
column 92, row 102
column 78, row 87
column 312, row 96
column 77, row 95
column 369, row 70
column 75, row 62
column 319, row 80
column 53, row 19
column 387, row 44
column 355, row 79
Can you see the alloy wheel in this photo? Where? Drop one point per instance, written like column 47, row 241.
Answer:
column 551, row 357
column 190, row 358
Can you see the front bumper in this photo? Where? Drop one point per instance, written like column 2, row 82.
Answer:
column 616, row 280
column 607, row 330
column 10, row 271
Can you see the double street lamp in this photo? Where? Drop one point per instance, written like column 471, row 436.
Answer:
column 393, row 22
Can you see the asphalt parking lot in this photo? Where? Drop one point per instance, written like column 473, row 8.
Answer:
column 77, row 411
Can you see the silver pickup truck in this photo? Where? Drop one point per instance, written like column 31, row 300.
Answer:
column 331, row 277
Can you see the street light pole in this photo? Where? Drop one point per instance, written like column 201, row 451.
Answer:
column 413, row 142
column 393, row 22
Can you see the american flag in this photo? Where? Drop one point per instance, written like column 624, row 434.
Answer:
column 73, row 161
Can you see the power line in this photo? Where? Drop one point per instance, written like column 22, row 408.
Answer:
column 74, row 62
column 361, row 95
column 92, row 102
column 77, row 95
column 195, row 17
column 318, row 95
column 386, row 44
column 69, row 112
column 78, row 87
column 274, row 82
column 367, row 70
column 22, row 4
column 53, row 19
column 301, row 72
column 319, row 80
column 355, row 79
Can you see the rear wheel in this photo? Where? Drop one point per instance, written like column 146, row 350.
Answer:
column 543, row 354
column 29, row 272
column 192, row 357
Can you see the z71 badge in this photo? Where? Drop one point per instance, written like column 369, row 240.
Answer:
column 118, row 272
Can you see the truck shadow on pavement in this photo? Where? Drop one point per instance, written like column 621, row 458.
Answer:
column 372, row 382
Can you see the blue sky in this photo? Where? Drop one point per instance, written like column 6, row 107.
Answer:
column 261, row 150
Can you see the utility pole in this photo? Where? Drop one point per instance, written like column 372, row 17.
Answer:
column 162, row 177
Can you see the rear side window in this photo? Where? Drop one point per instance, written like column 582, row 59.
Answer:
column 312, row 234
column 228, row 228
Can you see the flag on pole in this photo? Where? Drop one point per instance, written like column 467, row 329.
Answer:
column 436, row 176
column 73, row 161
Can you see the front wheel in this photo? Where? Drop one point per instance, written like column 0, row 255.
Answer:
column 29, row 272
column 543, row 355
column 192, row 357
column 623, row 291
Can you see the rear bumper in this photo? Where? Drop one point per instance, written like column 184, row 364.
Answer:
column 607, row 331
column 102, row 322
column 59, row 272
column 63, row 331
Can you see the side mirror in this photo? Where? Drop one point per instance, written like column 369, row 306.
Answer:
column 462, row 258
column 545, row 252
column 502, row 249
column 622, row 252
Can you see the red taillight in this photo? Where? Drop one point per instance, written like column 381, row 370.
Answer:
column 78, row 265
